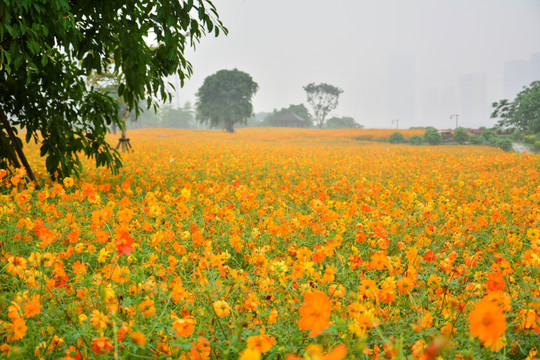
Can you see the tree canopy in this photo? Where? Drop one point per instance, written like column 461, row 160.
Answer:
column 299, row 110
column 225, row 99
column 523, row 113
column 461, row 135
column 323, row 98
column 345, row 122
column 48, row 48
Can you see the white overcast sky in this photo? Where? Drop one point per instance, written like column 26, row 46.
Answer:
column 286, row 44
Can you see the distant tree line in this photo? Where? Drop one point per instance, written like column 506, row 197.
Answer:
column 167, row 116
column 460, row 136
column 224, row 101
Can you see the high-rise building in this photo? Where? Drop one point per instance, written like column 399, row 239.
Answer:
column 517, row 74
column 431, row 107
column 401, row 88
column 448, row 105
column 473, row 99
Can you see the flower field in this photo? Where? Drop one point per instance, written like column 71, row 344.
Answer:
column 275, row 244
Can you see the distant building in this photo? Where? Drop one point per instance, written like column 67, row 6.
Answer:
column 446, row 134
column 473, row 98
column 448, row 103
column 517, row 74
column 475, row 131
column 402, row 87
column 289, row 119
column 431, row 109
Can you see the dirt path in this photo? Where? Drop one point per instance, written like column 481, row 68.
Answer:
column 520, row 148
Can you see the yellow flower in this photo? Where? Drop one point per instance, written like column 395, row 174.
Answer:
column 68, row 182
column 222, row 308
column 250, row 354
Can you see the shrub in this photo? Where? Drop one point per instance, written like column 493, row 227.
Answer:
column 493, row 140
column 529, row 139
column 505, row 144
column 416, row 140
column 433, row 137
column 537, row 145
column 489, row 136
column 477, row 140
column 461, row 135
column 396, row 138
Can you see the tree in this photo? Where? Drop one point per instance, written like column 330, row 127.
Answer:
column 397, row 138
column 461, row 135
column 323, row 98
column 48, row 48
column 225, row 99
column 345, row 122
column 523, row 113
column 299, row 110
column 416, row 140
column 179, row 118
column 303, row 112
column 433, row 137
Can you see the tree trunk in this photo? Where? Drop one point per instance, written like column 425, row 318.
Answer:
column 14, row 143
column 229, row 127
column 123, row 142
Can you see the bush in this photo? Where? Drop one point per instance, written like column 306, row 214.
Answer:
column 489, row 136
column 505, row 144
column 477, row 140
column 537, row 145
column 529, row 139
column 416, row 140
column 493, row 140
column 396, row 138
column 461, row 135
column 433, row 137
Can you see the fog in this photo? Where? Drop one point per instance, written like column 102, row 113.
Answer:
column 416, row 61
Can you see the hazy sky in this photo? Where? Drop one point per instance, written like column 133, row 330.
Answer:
column 356, row 44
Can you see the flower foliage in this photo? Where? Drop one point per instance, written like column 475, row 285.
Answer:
column 282, row 243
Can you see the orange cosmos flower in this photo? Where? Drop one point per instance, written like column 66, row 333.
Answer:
column 261, row 343
column 124, row 243
column 315, row 351
column 33, row 306
column 102, row 345
column 315, row 313
column 184, row 327
column 147, row 307
column 337, row 353
column 17, row 330
column 221, row 308
column 200, row 349
column 138, row 338
column 99, row 320
column 336, row 290
column 487, row 321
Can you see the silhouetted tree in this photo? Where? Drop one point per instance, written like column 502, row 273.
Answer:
column 225, row 99
column 323, row 98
